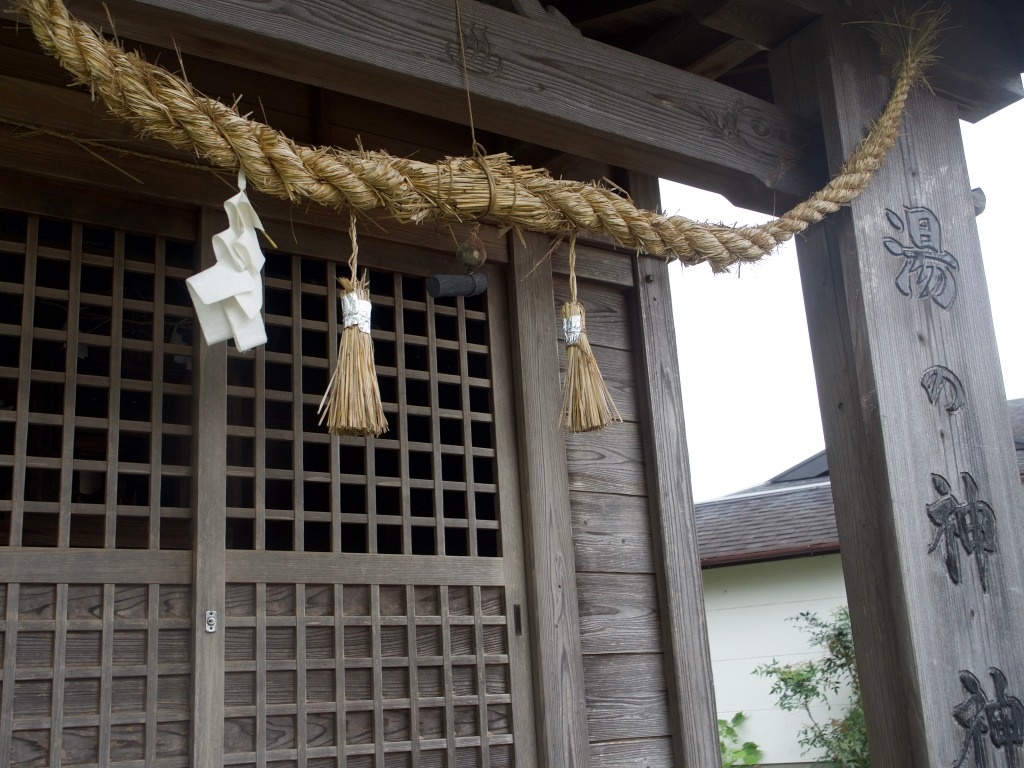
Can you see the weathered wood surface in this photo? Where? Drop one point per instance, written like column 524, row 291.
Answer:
column 917, row 631
column 633, row 753
column 626, row 697
column 611, row 534
column 679, row 586
column 356, row 568
column 209, row 533
column 554, row 616
column 610, row 461
column 524, row 76
column 606, row 308
column 40, row 565
column 618, row 613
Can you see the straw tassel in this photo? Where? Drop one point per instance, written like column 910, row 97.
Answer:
column 586, row 403
column 351, row 405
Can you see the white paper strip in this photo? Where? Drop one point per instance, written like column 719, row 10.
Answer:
column 228, row 296
column 572, row 327
column 355, row 311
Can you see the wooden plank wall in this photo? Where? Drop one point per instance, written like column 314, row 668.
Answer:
column 623, row 662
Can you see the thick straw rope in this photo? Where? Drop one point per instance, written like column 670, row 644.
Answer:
column 162, row 105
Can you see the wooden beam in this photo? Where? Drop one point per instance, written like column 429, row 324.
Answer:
column 924, row 476
column 38, row 565
column 724, row 58
column 674, row 529
column 544, row 479
column 529, row 81
column 979, row 56
column 764, row 22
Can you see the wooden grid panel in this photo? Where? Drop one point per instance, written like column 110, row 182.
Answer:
column 96, row 350
column 367, row 676
column 426, row 487
column 95, row 675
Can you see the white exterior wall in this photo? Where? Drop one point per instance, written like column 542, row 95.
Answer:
column 747, row 610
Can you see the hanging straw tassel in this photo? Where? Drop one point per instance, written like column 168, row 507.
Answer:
column 352, row 398
column 586, row 403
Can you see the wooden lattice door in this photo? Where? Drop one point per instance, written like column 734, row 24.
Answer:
column 369, row 593
column 96, row 465
column 373, row 608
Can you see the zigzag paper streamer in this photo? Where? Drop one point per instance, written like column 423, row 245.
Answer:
column 228, row 296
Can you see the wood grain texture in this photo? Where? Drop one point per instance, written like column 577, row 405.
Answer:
column 209, row 532
column 357, row 568
column 674, row 529
column 38, row 565
column 632, row 753
column 606, row 309
column 611, row 534
column 915, row 629
column 524, row 76
column 618, row 613
column 626, row 697
column 554, row 616
column 609, row 461
column 513, row 543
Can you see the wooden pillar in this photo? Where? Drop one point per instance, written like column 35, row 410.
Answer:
column 674, row 529
column 924, row 477
column 551, row 574
column 209, row 530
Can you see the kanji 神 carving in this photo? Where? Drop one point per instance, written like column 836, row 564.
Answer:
column 969, row 525
column 1001, row 717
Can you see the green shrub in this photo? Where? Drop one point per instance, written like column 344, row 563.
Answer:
column 843, row 739
column 734, row 753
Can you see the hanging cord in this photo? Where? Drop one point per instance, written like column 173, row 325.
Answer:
column 353, row 259
column 479, row 153
column 478, row 150
column 572, row 269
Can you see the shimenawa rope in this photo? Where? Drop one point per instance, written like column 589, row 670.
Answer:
column 164, row 106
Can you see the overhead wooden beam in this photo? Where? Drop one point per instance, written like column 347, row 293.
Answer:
column 724, row 58
column 981, row 53
column 764, row 22
column 529, row 81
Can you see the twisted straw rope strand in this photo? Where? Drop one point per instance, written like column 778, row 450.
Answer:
column 164, row 106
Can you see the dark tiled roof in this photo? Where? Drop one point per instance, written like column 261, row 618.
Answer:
column 790, row 515
column 767, row 525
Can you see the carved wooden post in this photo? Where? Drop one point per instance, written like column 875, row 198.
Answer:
column 927, row 493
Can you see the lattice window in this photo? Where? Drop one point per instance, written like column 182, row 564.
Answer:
column 96, row 351
column 426, row 487
column 378, row 675
column 95, row 675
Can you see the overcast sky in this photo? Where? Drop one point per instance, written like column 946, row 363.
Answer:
column 748, row 382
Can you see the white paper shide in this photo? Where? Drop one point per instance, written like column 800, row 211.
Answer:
column 228, row 296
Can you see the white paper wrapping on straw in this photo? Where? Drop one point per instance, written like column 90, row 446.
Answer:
column 355, row 311
column 228, row 296
column 572, row 327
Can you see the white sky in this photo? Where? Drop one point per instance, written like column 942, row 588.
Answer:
column 748, row 383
